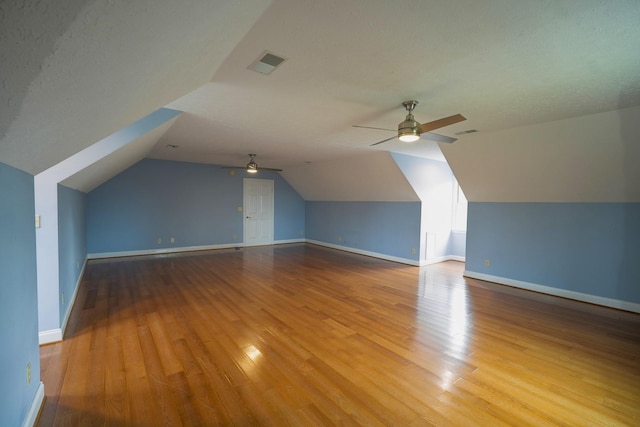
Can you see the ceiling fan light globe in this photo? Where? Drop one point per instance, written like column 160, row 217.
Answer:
column 408, row 130
column 252, row 167
column 408, row 134
column 409, row 137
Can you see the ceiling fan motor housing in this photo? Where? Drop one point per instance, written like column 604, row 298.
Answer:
column 408, row 128
column 252, row 166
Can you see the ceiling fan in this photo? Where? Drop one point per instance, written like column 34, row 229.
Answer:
column 410, row 130
column 252, row 166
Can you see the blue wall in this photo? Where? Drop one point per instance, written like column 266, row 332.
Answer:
column 196, row 204
column 71, row 243
column 18, row 296
column 592, row 248
column 289, row 211
column 388, row 228
column 457, row 244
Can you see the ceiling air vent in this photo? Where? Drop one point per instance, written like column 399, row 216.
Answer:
column 266, row 63
column 466, row 131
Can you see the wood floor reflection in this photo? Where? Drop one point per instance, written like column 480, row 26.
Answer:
column 304, row 335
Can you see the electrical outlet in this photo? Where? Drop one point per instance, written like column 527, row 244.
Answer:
column 340, row 238
column 413, row 251
column 28, row 373
column 173, row 240
column 159, row 240
column 487, row 263
column 235, row 236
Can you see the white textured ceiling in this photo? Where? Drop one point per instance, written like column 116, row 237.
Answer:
column 72, row 74
column 502, row 64
column 106, row 167
column 325, row 180
column 77, row 71
column 592, row 158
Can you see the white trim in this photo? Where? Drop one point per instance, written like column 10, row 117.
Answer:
column 439, row 259
column 388, row 257
column 265, row 216
column 50, row 336
column 163, row 251
column 287, row 241
column 277, row 242
column 72, row 300
column 367, row 253
column 579, row 296
column 100, row 255
column 34, row 409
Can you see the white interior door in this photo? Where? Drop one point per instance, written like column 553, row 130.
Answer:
column 258, row 212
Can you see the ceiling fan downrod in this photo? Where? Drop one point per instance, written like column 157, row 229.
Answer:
column 410, row 105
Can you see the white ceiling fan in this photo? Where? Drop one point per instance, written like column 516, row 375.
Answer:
column 252, row 166
column 410, row 130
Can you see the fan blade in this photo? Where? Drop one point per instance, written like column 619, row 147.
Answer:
column 370, row 127
column 438, row 138
column 440, row 123
column 384, row 140
column 245, row 168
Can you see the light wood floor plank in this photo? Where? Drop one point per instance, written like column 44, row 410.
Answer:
column 304, row 335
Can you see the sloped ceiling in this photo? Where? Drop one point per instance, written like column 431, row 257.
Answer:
column 78, row 72
column 593, row 158
column 372, row 176
column 107, row 167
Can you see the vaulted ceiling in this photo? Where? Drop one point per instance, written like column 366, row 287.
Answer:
column 555, row 82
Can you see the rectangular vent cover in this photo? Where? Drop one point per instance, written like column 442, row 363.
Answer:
column 466, row 131
column 266, row 63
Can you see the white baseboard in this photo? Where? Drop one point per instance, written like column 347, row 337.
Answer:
column 437, row 260
column 34, row 409
column 50, row 336
column 388, row 257
column 367, row 253
column 277, row 242
column 72, row 300
column 579, row 296
column 163, row 251
column 287, row 241
column 55, row 335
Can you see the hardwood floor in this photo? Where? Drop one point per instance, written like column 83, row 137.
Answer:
column 305, row 335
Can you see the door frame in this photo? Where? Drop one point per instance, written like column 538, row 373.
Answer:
column 270, row 223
